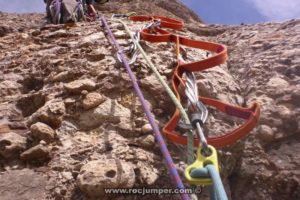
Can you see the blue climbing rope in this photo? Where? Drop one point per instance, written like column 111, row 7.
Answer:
column 217, row 192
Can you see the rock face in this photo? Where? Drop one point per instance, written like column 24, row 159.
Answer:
column 92, row 100
column 11, row 144
column 42, row 132
column 29, row 184
column 51, row 113
column 108, row 111
column 68, row 110
column 38, row 152
column 96, row 176
column 80, row 85
column 263, row 62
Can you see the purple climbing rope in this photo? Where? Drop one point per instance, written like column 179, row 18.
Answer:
column 157, row 134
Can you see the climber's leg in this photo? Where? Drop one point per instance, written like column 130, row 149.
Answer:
column 91, row 9
column 48, row 12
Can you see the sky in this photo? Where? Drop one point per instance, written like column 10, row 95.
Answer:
column 22, row 6
column 244, row 11
column 211, row 11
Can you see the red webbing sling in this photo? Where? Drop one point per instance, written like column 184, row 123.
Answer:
column 157, row 34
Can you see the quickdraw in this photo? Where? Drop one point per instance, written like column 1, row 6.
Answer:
column 251, row 114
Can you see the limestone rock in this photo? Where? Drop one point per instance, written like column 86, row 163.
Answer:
column 30, row 103
column 95, row 176
column 110, row 111
column 79, row 85
column 263, row 67
column 96, row 56
column 149, row 175
column 92, row 100
column 8, row 88
column 84, row 92
column 11, row 144
column 147, row 141
column 296, row 95
column 266, row 133
column 38, row 152
column 90, row 39
column 59, row 34
column 269, row 79
column 275, row 83
column 60, row 76
column 42, row 132
column 4, row 30
column 67, row 175
column 35, row 32
column 51, row 113
column 22, row 184
column 151, row 83
column 4, row 128
column 126, row 127
column 147, row 129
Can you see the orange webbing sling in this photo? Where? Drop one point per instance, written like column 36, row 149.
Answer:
column 157, row 34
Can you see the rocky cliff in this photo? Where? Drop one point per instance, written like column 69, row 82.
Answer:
column 71, row 124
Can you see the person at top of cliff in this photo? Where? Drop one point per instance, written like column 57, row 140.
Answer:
column 69, row 11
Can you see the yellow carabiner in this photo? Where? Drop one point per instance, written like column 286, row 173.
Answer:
column 201, row 162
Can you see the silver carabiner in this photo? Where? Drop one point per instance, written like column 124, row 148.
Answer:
column 199, row 110
column 192, row 94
